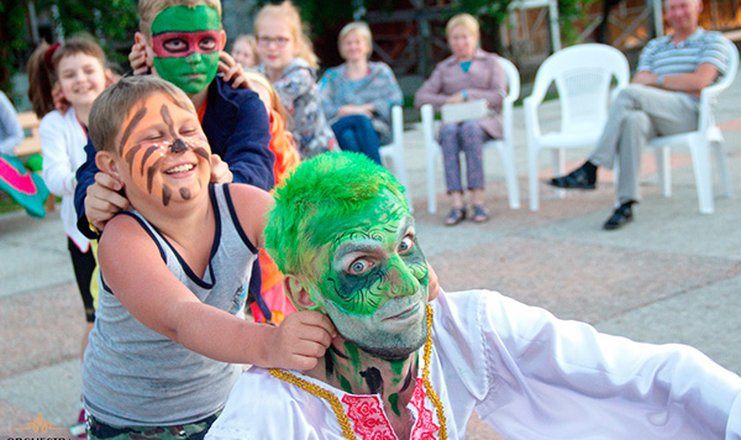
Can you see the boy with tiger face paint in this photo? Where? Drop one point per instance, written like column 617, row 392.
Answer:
column 170, row 328
column 162, row 155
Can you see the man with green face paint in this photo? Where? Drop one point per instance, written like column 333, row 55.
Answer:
column 401, row 368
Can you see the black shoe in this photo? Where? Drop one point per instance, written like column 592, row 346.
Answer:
column 619, row 217
column 455, row 216
column 584, row 177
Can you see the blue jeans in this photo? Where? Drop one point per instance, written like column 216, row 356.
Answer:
column 356, row 133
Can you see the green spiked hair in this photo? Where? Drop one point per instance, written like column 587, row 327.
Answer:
column 312, row 203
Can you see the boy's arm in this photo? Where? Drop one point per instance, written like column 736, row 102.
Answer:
column 85, row 176
column 156, row 298
column 247, row 153
column 610, row 383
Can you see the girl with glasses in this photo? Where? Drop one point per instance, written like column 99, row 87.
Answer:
column 288, row 60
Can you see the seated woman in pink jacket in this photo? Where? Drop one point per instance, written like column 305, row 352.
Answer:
column 469, row 74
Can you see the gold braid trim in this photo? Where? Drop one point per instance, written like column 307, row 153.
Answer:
column 336, row 405
column 426, row 378
column 318, row 391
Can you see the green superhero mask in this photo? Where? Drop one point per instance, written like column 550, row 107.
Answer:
column 186, row 43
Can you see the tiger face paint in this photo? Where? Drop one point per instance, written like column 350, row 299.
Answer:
column 186, row 42
column 164, row 156
column 373, row 283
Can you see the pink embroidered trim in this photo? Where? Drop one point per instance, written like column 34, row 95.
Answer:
column 370, row 423
column 425, row 427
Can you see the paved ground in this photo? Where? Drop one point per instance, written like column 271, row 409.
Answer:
column 672, row 275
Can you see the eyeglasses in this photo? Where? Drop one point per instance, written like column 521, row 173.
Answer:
column 267, row 41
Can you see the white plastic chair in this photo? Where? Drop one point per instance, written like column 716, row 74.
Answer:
column 504, row 146
column 392, row 154
column 699, row 143
column 583, row 75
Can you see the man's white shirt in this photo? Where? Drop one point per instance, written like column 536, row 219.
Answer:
column 527, row 374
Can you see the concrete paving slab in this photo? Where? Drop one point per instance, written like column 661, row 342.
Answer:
column 661, row 224
column 53, row 392
column 698, row 317
column 40, row 328
column 47, row 264
column 576, row 280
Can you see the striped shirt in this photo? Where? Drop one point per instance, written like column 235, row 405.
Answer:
column 662, row 57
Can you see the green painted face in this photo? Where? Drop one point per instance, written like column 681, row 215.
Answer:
column 373, row 280
column 186, row 43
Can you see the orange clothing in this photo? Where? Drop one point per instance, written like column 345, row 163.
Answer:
column 282, row 145
column 286, row 159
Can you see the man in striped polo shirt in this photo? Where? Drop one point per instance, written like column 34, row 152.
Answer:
column 662, row 100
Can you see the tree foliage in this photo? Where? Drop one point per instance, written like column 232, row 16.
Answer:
column 112, row 22
column 12, row 35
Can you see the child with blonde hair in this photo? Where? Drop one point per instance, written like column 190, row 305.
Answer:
column 289, row 62
column 244, row 51
column 170, row 332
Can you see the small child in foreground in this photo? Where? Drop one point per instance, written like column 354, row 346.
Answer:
column 167, row 339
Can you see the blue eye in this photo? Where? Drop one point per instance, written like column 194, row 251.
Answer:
column 406, row 245
column 360, row 266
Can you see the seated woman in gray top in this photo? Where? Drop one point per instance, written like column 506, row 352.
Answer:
column 357, row 95
column 470, row 73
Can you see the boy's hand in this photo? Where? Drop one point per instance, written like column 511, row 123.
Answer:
column 220, row 172
column 140, row 65
column 300, row 340
column 103, row 200
column 232, row 71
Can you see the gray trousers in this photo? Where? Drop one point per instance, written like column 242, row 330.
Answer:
column 638, row 114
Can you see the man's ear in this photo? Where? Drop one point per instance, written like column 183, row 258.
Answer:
column 222, row 33
column 298, row 293
column 105, row 160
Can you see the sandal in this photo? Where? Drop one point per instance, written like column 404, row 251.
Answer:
column 480, row 215
column 455, row 216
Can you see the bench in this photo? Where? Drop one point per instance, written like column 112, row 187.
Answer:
column 32, row 145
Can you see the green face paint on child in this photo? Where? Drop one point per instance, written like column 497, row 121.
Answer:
column 186, row 43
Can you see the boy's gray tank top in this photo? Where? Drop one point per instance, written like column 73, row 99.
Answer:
column 134, row 376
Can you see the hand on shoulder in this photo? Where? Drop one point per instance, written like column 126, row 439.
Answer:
column 300, row 340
